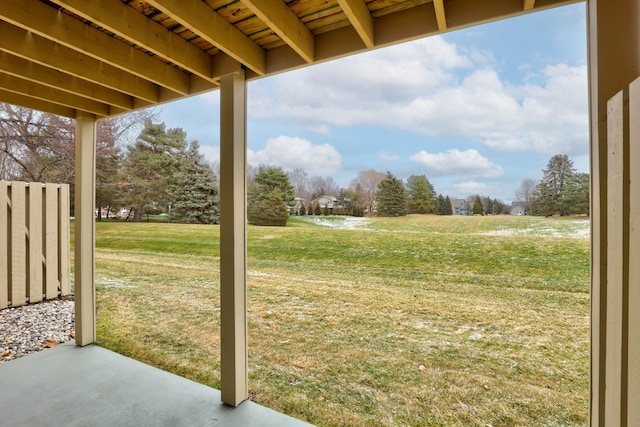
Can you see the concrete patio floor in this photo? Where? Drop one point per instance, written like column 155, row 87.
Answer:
column 91, row 386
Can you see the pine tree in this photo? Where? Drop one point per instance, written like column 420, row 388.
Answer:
column 448, row 209
column 477, row 206
column 391, row 197
column 577, row 194
column 268, row 182
column 194, row 192
column 550, row 192
column 270, row 210
column 421, row 196
column 149, row 167
column 490, row 206
column 317, row 211
column 441, row 205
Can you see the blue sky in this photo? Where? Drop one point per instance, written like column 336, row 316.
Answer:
column 475, row 110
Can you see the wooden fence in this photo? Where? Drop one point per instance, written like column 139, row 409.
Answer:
column 34, row 242
column 615, row 300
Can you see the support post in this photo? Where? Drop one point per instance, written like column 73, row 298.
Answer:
column 614, row 62
column 85, row 229
column 233, row 239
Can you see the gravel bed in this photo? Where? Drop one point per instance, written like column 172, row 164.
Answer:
column 31, row 328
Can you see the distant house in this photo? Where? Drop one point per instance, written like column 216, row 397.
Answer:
column 461, row 207
column 517, row 208
column 324, row 200
column 298, row 202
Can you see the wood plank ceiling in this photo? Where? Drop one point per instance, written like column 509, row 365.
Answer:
column 106, row 57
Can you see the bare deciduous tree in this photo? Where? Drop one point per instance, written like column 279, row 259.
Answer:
column 298, row 178
column 365, row 185
column 525, row 193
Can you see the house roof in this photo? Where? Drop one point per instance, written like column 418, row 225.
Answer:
column 325, row 197
column 106, row 57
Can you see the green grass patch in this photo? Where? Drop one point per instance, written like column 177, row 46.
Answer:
column 422, row 320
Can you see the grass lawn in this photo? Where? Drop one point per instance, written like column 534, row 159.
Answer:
column 417, row 321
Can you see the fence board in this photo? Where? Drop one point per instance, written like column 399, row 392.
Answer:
column 4, row 244
column 633, row 409
column 18, row 288
column 35, row 243
column 64, row 261
column 617, row 260
column 51, row 241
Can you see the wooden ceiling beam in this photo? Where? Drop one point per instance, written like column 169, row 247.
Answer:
column 45, row 93
column 411, row 24
column 361, row 19
column 126, row 22
column 441, row 19
column 34, row 48
column 528, row 4
column 204, row 21
column 37, row 73
column 35, row 16
column 36, row 104
column 282, row 21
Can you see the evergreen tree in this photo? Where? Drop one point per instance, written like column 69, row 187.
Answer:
column 317, row 211
column 477, row 206
column 266, row 184
column 442, row 210
column 302, row 210
column 194, row 193
column 391, row 197
column 577, row 194
column 344, row 199
column 149, row 167
column 550, row 192
column 269, row 210
column 421, row 196
column 448, row 209
column 490, row 206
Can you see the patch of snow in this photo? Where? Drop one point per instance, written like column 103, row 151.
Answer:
column 348, row 222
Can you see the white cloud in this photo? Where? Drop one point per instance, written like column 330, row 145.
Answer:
column 291, row 152
column 436, row 88
column 468, row 188
column 357, row 90
column 455, row 162
column 388, row 157
column 211, row 154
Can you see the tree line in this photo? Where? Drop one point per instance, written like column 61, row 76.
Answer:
column 561, row 190
column 161, row 172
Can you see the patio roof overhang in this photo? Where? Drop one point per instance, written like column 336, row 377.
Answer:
column 106, row 57
column 93, row 59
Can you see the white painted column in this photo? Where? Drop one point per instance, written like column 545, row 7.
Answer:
column 233, row 239
column 85, row 229
column 614, row 60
